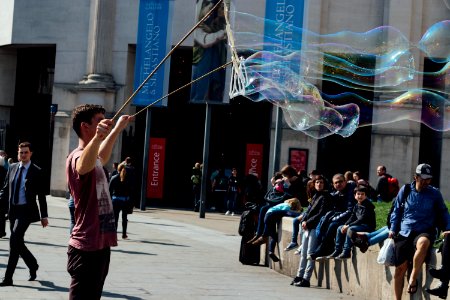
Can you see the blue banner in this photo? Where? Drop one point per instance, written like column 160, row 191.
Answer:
column 283, row 33
column 209, row 53
column 286, row 14
column 151, row 48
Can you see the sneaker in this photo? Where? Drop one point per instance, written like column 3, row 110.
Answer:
column 333, row 255
column 124, row 236
column 252, row 239
column 364, row 247
column 261, row 240
column 438, row 273
column 298, row 251
column 321, row 258
column 227, row 213
column 273, row 257
column 296, row 279
column 291, row 246
column 303, row 283
column 441, row 290
column 344, row 255
column 232, row 214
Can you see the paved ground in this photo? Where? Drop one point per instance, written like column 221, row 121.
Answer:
column 170, row 254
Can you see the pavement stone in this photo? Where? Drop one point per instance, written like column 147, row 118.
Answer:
column 170, row 254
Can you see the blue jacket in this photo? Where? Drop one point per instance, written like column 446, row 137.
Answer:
column 278, row 207
column 422, row 213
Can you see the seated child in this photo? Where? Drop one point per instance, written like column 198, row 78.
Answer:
column 290, row 207
column 361, row 219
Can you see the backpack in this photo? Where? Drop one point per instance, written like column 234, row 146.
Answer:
column 393, row 187
column 406, row 193
column 247, row 223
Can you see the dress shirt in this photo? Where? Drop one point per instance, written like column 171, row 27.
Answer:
column 22, row 199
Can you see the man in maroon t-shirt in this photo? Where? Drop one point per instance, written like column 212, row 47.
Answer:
column 94, row 231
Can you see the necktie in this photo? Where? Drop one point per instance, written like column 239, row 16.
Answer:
column 17, row 187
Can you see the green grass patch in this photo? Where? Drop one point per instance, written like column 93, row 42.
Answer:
column 382, row 210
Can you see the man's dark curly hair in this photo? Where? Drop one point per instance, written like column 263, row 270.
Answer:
column 85, row 113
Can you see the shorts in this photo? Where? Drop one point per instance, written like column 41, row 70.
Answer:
column 405, row 247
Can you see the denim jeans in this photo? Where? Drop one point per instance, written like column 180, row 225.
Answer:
column 295, row 229
column 378, row 236
column 262, row 215
column 346, row 246
column 231, row 203
column 306, row 267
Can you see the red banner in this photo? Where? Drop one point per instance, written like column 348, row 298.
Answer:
column 155, row 169
column 254, row 159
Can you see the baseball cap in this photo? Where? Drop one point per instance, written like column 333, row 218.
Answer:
column 424, row 171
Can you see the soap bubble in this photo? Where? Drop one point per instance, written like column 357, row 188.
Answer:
column 287, row 70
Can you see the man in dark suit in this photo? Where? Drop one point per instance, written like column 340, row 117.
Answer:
column 23, row 183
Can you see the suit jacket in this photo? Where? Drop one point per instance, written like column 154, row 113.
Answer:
column 34, row 187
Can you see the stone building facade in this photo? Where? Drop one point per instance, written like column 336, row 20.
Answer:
column 84, row 51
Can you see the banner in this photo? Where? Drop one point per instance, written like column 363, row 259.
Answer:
column 155, row 170
column 153, row 42
column 210, row 51
column 286, row 14
column 254, row 159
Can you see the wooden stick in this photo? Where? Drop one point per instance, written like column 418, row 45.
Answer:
column 165, row 58
column 184, row 86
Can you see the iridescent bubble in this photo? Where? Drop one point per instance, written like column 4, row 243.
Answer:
column 283, row 69
column 436, row 42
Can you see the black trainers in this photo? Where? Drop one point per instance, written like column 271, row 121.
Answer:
column 438, row 273
column 441, row 291
column 303, row 283
column 344, row 255
column 274, row 257
column 296, row 279
column 333, row 255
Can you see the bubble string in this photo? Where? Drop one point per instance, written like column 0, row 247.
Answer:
column 184, row 86
column 386, row 45
column 250, row 34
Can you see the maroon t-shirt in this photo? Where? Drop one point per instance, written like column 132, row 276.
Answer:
column 94, row 217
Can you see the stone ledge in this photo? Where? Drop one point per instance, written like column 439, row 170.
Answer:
column 361, row 276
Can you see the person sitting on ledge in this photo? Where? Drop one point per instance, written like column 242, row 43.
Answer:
column 361, row 219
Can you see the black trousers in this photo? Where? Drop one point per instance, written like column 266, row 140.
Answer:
column 19, row 223
column 121, row 206
column 88, row 270
column 2, row 224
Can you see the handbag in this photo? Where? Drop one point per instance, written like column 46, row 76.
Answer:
column 275, row 197
column 387, row 253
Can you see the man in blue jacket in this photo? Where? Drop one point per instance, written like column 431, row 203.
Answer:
column 413, row 226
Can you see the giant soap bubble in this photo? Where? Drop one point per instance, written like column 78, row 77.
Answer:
column 288, row 73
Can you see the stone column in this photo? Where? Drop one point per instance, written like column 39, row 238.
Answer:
column 100, row 44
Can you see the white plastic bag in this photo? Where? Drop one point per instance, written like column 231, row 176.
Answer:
column 387, row 253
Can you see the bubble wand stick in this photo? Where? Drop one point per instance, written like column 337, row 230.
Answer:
column 184, row 86
column 165, row 58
